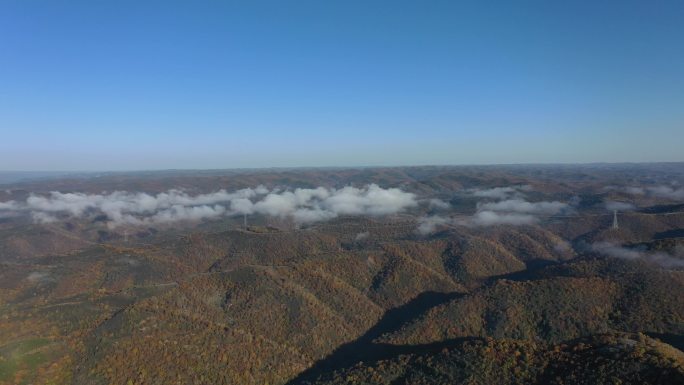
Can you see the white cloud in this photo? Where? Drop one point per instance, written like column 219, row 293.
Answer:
column 311, row 205
column 489, row 218
column 619, row 206
column 522, row 206
column 74, row 203
column 562, row 246
column 616, row 251
column 242, row 206
column 260, row 190
column 10, row 205
column 501, row 192
column 635, row 190
column 305, row 215
column 41, row 217
column 277, row 204
column 38, row 276
column 510, row 209
column 361, row 236
column 303, row 205
column 428, row 225
column 666, row 192
column 188, row 213
column 372, row 200
column 438, row 204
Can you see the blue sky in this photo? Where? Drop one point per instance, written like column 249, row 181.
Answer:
column 125, row 85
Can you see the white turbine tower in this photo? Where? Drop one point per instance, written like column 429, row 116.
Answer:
column 615, row 220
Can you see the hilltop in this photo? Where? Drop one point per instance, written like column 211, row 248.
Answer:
column 470, row 275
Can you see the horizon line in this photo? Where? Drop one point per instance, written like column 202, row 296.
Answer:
column 258, row 168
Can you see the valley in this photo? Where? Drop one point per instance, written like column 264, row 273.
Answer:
column 451, row 275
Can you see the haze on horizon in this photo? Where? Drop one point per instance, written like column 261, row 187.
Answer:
column 156, row 85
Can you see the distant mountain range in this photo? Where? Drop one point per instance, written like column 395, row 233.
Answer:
column 560, row 298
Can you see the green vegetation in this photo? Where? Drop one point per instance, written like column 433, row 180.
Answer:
column 24, row 356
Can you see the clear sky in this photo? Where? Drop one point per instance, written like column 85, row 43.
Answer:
column 123, row 85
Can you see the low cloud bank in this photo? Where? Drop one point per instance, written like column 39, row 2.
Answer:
column 39, row 276
column 667, row 192
column 508, row 208
column 303, row 205
column 429, row 224
column 522, row 206
column 619, row 206
column 501, row 193
column 660, row 258
column 489, row 218
column 361, row 236
column 438, row 204
column 11, row 205
column 312, row 205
